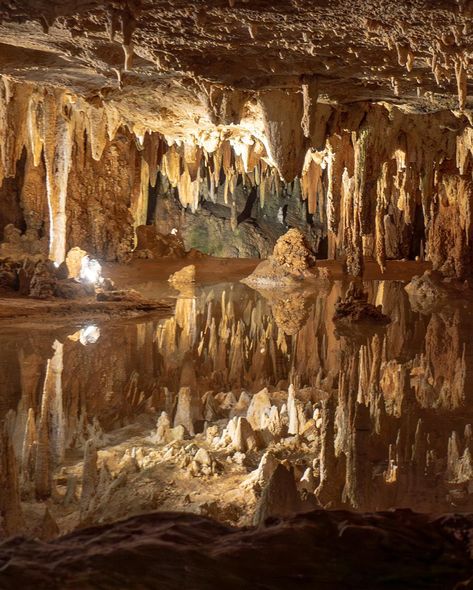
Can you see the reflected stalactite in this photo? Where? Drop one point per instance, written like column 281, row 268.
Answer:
column 369, row 420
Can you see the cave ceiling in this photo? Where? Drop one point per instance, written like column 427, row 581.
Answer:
column 182, row 68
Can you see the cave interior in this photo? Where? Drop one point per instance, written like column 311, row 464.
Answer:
column 236, row 294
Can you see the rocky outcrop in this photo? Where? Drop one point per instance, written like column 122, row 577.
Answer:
column 354, row 308
column 432, row 290
column 290, row 262
column 308, row 547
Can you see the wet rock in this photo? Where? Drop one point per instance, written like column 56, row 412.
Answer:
column 400, row 546
column 152, row 244
column 433, row 289
column 8, row 275
column 290, row 312
column 44, row 281
column 18, row 245
column 354, row 308
column 72, row 289
column 120, row 295
column 289, row 263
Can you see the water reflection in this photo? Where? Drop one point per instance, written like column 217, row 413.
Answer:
column 392, row 408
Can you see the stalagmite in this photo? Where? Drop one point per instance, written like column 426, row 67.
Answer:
column 188, row 411
column 279, row 497
column 90, row 477
column 28, row 447
column 49, row 528
column 259, row 406
column 293, row 427
column 244, row 438
column 10, row 505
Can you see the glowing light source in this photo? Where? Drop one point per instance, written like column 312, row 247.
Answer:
column 89, row 335
column 90, row 271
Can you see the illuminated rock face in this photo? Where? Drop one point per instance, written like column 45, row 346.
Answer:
column 138, row 131
column 364, row 112
column 381, row 183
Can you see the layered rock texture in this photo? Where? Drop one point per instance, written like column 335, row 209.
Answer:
column 396, row 550
column 145, row 131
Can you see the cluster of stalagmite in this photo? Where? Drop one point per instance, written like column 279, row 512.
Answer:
column 382, row 183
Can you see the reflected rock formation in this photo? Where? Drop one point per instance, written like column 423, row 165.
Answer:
column 200, row 410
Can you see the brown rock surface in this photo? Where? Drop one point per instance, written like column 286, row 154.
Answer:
column 354, row 308
column 319, row 549
column 289, row 263
column 184, row 276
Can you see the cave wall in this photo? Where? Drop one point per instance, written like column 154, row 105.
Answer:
column 100, row 192
column 246, row 228
column 376, row 180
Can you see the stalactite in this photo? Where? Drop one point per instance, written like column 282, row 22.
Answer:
column 57, row 151
column 309, row 98
column 311, row 185
column 282, row 114
column 366, row 178
column 96, row 130
column 461, row 77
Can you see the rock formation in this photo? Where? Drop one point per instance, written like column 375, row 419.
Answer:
column 289, row 263
column 355, row 308
column 184, row 276
column 414, row 547
column 333, row 140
